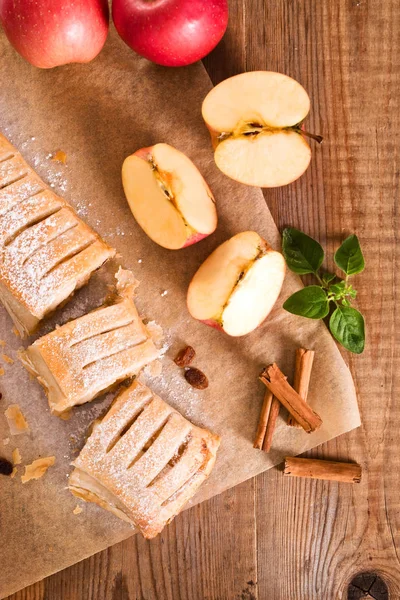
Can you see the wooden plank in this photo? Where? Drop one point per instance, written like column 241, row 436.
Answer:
column 208, row 552
column 229, row 57
column 317, row 536
column 311, row 537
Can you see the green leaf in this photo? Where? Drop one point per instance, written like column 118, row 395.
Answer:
column 311, row 302
column 328, row 277
column 351, row 292
column 347, row 327
column 337, row 288
column 349, row 256
column 302, row 253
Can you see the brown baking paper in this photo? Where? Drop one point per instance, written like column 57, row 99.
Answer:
column 98, row 114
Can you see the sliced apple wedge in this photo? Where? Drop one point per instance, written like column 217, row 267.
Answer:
column 168, row 196
column 255, row 120
column 237, row 285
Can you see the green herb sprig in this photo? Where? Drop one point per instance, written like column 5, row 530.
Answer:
column 305, row 255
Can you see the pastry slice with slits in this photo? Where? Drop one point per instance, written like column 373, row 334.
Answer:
column 143, row 460
column 86, row 357
column 46, row 250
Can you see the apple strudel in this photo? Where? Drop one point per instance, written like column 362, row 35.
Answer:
column 86, row 357
column 143, row 460
column 46, row 250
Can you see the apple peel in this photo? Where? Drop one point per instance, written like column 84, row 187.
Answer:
column 236, row 287
column 256, row 124
column 168, row 196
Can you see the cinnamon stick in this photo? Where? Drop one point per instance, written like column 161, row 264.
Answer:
column 273, row 415
column 276, row 382
column 302, row 374
column 262, row 424
column 322, row 469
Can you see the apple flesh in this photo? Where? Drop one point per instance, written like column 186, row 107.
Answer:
column 49, row 33
column 236, row 287
column 168, row 196
column 255, row 120
column 172, row 33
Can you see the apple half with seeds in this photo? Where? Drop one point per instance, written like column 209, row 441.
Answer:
column 255, row 120
column 168, row 196
column 236, row 287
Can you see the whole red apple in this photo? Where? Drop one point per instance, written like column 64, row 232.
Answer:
column 50, row 33
column 173, row 33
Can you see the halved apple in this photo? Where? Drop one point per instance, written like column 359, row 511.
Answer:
column 255, row 120
column 168, row 196
column 237, row 285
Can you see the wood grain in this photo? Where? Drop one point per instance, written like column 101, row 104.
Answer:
column 274, row 538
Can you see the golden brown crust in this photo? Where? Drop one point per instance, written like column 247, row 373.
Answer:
column 46, row 250
column 143, row 459
column 87, row 356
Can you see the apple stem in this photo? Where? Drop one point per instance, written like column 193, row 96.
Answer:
column 313, row 136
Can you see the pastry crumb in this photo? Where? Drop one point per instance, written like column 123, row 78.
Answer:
column 16, row 456
column 65, row 416
column 60, row 156
column 16, row 332
column 2, row 371
column 38, row 468
column 154, row 369
column 126, row 282
column 155, row 331
column 14, row 472
column 164, row 293
column 77, row 510
column 7, row 359
column 2, row 343
column 16, row 420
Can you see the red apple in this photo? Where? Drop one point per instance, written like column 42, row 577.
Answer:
column 173, row 33
column 50, row 33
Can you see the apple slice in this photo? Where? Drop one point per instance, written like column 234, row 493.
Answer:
column 237, row 285
column 255, row 120
column 168, row 196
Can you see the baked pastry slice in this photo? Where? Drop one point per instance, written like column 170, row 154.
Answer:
column 87, row 356
column 46, row 250
column 143, row 461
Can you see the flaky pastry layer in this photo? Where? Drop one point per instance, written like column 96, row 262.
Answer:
column 144, row 461
column 46, row 251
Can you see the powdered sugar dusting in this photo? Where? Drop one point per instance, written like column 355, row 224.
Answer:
column 32, row 218
column 96, row 350
column 152, row 488
column 54, row 173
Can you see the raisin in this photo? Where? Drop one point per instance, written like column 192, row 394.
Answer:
column 196, row 378
column 6, row 467
column 185, row 357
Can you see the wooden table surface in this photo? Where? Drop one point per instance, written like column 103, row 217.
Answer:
column 272, row 538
